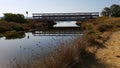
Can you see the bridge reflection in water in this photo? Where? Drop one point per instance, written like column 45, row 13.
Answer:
column 57, row 33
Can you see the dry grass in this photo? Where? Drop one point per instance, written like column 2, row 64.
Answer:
column 109, row 38
column 65, row 56
column 111, row 54
column 106, row 46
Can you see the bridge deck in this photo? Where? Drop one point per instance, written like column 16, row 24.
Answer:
column 65, row 16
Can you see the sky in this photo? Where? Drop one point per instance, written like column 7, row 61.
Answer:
column 51, row 6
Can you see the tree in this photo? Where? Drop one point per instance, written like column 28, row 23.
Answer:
column 113, row 11
column 106, row 11
column 19, row 18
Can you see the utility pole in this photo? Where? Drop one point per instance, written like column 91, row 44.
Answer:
column 27, row 14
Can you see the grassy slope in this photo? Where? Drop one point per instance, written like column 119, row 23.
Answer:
column 104, row 37
column 111, row 53
column 88, row 50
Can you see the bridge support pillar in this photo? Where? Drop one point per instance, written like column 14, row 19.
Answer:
column 79, row 23
column 50, row 23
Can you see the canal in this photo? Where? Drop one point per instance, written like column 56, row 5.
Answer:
column 31, row 44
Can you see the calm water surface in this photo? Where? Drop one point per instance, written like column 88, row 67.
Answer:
column 22, row 49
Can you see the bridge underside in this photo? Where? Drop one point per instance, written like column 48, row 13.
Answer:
column 65, row 16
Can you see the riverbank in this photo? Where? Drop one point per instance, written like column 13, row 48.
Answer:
column 10, row 29
column 110, row 55
column 104, row 39
column 29, row 25
column 99, row 48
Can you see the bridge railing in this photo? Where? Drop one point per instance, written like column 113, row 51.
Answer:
column 65, row 16
column 56, row 14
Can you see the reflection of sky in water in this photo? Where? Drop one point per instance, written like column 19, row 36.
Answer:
column 66, row 24
column 25, row 48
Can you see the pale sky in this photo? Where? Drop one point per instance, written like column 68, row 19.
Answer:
column 50, row 6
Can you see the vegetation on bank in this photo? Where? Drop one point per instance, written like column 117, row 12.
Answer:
column 17, row 22
column 81, row 53
column 9, row 17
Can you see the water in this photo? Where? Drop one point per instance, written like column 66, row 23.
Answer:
column 28, row 45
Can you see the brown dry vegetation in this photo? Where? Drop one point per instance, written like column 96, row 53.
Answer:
column 68, row 55
column 111, row 54
column 29, row 25
column 97, row 49
column 104, row 39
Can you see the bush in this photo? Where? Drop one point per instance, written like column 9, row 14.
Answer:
column 19, row 18
column 3, row 29
column 104, row 27
column 67, row 55
column 86, row 26
column 17, row 27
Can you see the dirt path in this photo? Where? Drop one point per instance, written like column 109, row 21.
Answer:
column 111, row 54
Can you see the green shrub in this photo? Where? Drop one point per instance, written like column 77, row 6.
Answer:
column 19, row 18
column 86, row 26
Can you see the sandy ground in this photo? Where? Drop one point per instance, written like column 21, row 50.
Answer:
column 110, row 55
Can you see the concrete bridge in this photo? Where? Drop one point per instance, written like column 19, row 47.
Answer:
column 65, row 16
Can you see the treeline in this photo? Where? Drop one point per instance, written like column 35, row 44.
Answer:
column 112, row 11
column 10, row 17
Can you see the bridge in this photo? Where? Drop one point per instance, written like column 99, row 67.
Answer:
column 65, row 16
